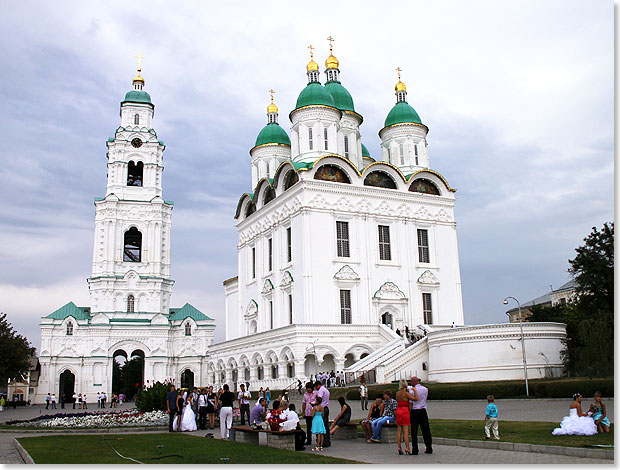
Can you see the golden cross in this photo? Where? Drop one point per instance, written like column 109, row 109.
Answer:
column 139, row 57
column 399, row 70
column 272, row 92
column 311, row 51
column 330, row 39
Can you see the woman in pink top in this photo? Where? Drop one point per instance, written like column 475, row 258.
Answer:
column 307, row 404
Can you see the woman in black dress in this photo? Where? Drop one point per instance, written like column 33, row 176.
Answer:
column 342, row 418
column 212, row 402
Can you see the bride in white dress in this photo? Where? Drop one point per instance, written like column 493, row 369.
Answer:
column 577, row 422
column 188, row 417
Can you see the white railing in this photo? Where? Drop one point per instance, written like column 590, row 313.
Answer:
column 378, row 357
column 397, row 368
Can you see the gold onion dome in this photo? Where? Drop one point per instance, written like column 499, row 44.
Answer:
column 331, row 62
column 272, row 108
column 400, row 86
column 312, row 65
column 139, row 78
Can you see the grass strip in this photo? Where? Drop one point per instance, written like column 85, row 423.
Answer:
column 164, row 448
column 525, row 432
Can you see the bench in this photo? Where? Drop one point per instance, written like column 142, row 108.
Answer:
column 389, row 433
column 277, row 439
column 348, row 431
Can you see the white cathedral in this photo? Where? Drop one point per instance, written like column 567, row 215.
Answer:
column 337, row 250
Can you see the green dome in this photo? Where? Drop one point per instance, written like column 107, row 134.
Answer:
column 272, row 133
column 342, row 98
column 402, row 112
column 314, row 93
column 365, row 152
column 135, row 96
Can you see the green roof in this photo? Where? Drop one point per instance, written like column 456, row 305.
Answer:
column 316, row 94
column 187, row 311
column 365, row 152
column 71, row 310
column 342, row 98
column 272, row 133
column 135, row 96
column 402, row 112
column 298, row 165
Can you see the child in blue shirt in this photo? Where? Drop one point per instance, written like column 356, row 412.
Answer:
column 491, row 419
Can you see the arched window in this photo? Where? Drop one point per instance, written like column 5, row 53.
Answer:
column 346, row 146
column 325, row 136
column 70, row 329
column 136, row 119
column 188, row 329
column 132, row 250
column 332, row 173
column 134, row 173
column 310, row 138
column 130, row 303
column 379, row 179
column 270, row 195
column 291, row 179
column 425, row 186
column 250, row 209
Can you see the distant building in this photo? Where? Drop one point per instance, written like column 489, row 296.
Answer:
column 560, row 296
column 26, row 388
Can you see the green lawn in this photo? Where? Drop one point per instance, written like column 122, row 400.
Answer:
column 166, row 448
column 527, row 432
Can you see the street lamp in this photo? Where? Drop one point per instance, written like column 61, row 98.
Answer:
column 527, row 390
column 316, row 359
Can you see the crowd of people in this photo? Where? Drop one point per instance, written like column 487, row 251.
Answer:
column 329, row 379
column 195, row 409
column 80, row 400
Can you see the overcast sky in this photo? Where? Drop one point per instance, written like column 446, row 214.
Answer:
column 518, row 97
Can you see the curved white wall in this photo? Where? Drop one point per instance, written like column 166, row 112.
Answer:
column 493, row 352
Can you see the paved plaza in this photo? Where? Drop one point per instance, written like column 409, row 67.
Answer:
column 551, row 410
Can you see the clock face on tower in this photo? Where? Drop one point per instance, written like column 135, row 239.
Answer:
column 137, row 143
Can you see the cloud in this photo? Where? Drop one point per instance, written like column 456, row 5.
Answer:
column 518, row 98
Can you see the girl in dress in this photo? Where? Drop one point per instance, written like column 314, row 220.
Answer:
column 402, row 414
column 318, row 427
column 577, row 422
column 599, row 413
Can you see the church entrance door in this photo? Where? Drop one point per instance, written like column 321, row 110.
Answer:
column 387, row 320
column 66, row 386
column 187, row 379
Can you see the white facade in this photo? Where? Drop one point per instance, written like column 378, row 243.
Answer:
column 336, row 252
column 130, row 285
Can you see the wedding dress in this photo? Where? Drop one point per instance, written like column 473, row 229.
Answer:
column 188, row 419
column 573, row 424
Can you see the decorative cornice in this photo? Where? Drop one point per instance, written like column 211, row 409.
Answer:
column 267, row 287
column 252, row 310
column 389, row 290
column 428, row 277
column 346, row 273
column 287, row 279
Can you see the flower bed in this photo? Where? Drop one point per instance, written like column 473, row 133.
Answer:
column 96, row 420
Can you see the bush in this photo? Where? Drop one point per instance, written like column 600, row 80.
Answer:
column 539, row 388
column 153, row 398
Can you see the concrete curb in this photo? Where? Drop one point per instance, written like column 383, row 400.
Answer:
column 22, row 452
column 17, row 430
column 518, row 447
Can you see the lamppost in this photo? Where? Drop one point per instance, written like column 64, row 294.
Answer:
column 316, row 359
column 527, row 390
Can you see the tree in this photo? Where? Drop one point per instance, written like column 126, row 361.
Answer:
column 15, row 351
column 593, row 270
column 589, row 318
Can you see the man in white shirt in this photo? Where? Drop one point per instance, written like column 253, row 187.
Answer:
column 74, row 400
column 98, row 400
column 244, row 398
column 202, row 409
column 419, row 418
column 364, row 396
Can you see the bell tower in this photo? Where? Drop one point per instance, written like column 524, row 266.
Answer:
column 131, row 255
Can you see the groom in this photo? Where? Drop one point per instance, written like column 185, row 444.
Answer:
column 171, row 404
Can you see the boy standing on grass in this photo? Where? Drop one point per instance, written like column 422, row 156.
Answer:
column 491, row 419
